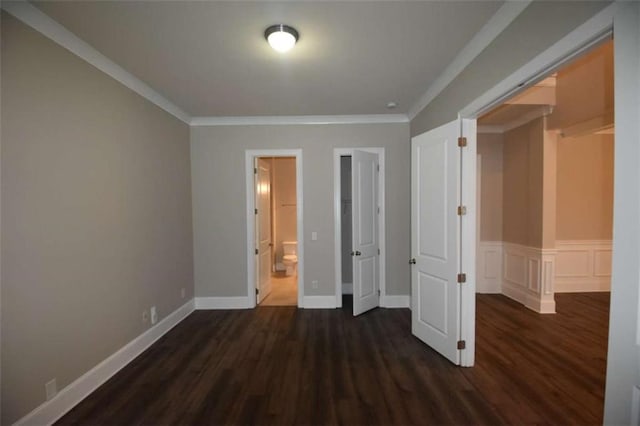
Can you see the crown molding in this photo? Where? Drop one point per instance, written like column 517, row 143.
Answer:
column 298, row 119
column 507, row 13
column 39, row 21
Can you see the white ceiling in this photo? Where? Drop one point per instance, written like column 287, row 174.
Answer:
column 211, row 59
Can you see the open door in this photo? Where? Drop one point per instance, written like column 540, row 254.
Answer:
column 435, row 239
column 263, row 228
column 365, row 254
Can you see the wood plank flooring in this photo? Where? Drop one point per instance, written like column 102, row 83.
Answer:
column 281, row 365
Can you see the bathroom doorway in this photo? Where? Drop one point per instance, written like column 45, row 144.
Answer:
column 276, row 231
column 274, row 227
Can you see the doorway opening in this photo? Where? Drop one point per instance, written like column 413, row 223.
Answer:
column 359, row 228
column 274, row 227
column 545, row 219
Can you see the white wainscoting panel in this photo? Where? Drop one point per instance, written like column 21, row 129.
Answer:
column 583, row 265
column 489, row 268
column 528, row 275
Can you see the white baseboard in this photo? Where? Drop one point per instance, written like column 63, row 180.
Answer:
column 241, row 302
column 71, row 395
column 319, row 302
column 395, row 301
column 347, row 288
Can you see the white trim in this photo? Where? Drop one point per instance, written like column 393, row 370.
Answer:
column 507, row 13
column 337, row 214
column 298, row 119
column 48, row 27
column 50, row 411
column 578, row 41
column 319, row 302
column 468, row 232
column 395, row 301
column 205, row 303
column 250, row 154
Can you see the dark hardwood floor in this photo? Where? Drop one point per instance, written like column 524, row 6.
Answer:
column 281, row 365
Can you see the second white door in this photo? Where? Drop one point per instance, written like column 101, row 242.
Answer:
column 365, row 254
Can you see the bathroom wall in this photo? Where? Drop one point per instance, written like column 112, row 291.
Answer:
column 346, row 220
column 284, row 203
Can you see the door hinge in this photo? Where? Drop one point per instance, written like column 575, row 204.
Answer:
column 378, row 210
column 255, row 211
column 255, row 170
column 462, row 278
column 462, row 345
column 462, row 141
column 256, row 251
column 378, row 252
column 378, row 167
column 379, row 293
column 462, row 210
column 257, row 291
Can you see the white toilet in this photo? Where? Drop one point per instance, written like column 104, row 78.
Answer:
column 290, row 258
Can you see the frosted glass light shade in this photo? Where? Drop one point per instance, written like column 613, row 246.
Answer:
column 281, row 37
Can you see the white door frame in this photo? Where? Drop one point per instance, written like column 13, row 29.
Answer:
column 577, row 42
column 337, row 221
column 250, row 156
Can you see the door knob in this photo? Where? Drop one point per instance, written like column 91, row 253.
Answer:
column 358, row 253
column 412, row 261
column 353, row 253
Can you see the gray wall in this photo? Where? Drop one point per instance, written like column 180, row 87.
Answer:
column 218, row 176
column 96, row 216
column 536, row 29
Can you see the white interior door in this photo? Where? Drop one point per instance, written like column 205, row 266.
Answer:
column 365, row 254
column 435, row 239
column 263, row 227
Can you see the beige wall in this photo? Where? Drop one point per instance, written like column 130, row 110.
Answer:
column 522, row 184
column 284, row 197
column 490, row 147
column 96, row 216
column 585, row 188
column 538, row 27
column 218, row 176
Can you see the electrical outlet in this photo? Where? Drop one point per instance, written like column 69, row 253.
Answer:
column 314, row 283
column 145, row 316
column 51, row 389
column 182, row 292
column 154, row 315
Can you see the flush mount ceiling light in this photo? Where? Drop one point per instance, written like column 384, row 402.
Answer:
column 281, row 37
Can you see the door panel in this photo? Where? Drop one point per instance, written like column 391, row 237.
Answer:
column 364, row 190
column 263, row 227
column 435, row 238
